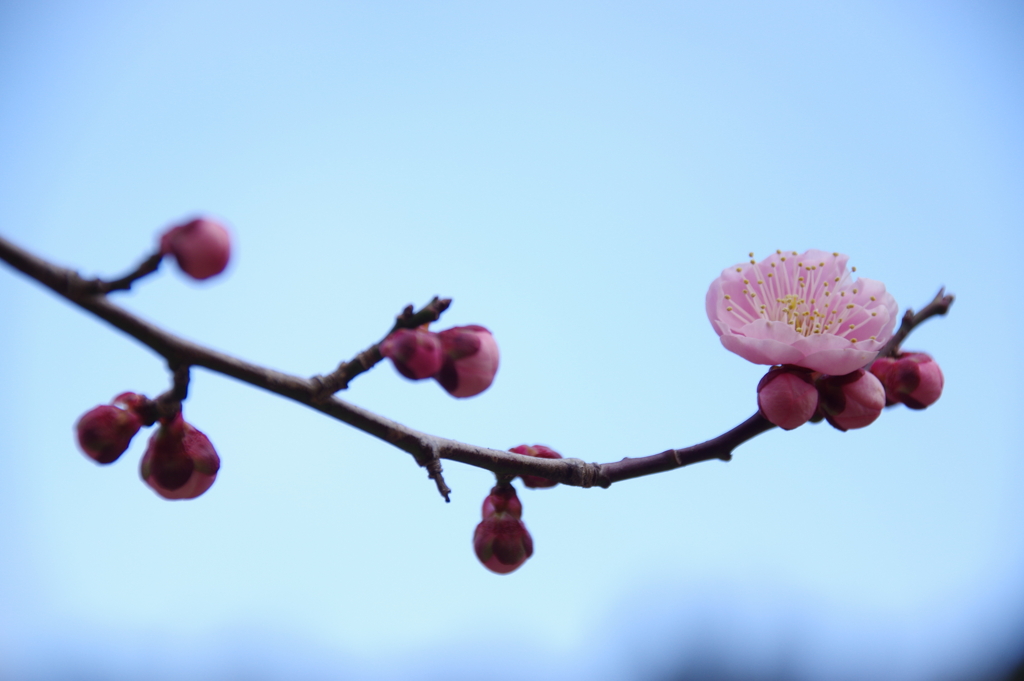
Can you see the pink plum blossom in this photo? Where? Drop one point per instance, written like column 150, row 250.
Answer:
column 802, row 309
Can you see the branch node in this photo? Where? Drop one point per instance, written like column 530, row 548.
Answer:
column 327, row 385
column 583, row 474
column 168, row 403
column 432, row 462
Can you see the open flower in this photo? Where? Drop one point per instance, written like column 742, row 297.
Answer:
column 804, row 309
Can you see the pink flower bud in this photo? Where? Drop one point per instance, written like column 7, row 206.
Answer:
column 132, row 401
column 105, row 432
column 470, row 360
column 501, row 541
column 541, row 452
column 502, row 544
column 416, row 353
column 913, row 378
column 180, row 462
column 851, row 401
column 202, row 247
column 502, row 500
column 787, row 397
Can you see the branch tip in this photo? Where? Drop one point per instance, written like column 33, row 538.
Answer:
column 338, row 380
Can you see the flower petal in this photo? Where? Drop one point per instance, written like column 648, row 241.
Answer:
column 764, row 342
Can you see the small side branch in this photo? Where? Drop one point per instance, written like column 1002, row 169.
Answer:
column 340, row 378
column 432, row 462
column 145, row 268
column 939, row 306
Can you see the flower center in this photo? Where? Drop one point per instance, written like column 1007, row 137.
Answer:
column 813, row 297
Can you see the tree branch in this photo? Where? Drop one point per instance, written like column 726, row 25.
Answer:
column 939, row 306
column 426, row 449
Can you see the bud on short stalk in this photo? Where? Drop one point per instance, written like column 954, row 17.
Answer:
column 105, row 432
column 501, row 541
column 851, row 401
column 416, row 353
column 541, row 452
column 470, row 360
column 180, row 462
column 910, row 378
column 787, row 397
column 202, row 247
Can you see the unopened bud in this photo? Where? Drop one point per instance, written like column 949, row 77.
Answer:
column 470, row 360
column 416, row 353
column 911, row 378
column 502, row 500
column 180, row 462
column 202, row 247
column 501, row 541
column 105, row 432
column 541, row 452
column 851, row 401
column 787, row 397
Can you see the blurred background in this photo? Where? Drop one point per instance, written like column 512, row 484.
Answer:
column 573, row 175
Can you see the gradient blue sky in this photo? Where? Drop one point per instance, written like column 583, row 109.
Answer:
column 574, row 175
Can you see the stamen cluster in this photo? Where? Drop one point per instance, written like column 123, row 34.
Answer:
column 801, row 309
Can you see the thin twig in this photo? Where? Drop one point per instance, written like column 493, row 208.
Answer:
column 145, row 268
column 939, row 306
column 432, row 463
column 365, row 360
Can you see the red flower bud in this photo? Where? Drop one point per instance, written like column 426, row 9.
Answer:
column 501, row 541
column 541, row 452
column 913, row 378
column 202, row 247
column 502, row 544
column 851, row 401
column 502, row 500
column 470, row 360
column 180, row 462
column 416, row 353
column 787, row 397
column 105, row 432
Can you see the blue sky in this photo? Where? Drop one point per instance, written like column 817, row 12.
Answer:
column 573, row 175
